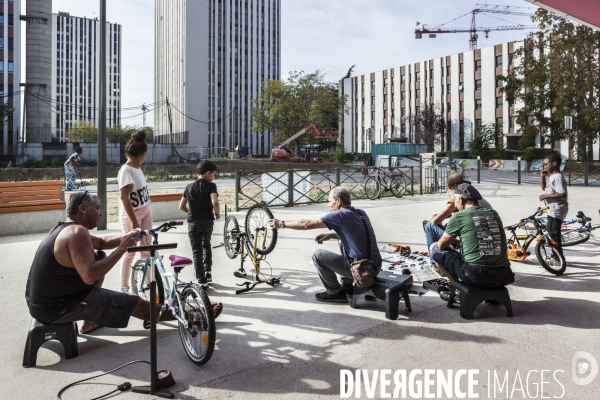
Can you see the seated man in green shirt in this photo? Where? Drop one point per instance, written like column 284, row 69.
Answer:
column 484, row 261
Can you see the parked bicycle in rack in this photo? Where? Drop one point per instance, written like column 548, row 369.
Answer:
column 380, row 180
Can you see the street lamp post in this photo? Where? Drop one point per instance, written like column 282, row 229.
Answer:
column 102, row 225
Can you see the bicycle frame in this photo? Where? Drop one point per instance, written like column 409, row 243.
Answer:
column 519, row 252
column 255, row 258
column 170, row 282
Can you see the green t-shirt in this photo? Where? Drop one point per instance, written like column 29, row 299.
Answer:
column 482, row 236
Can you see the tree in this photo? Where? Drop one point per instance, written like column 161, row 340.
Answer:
column 559, row 75
column 349, row 73
column 286, row 107
column 6, row 110
column 429, row 123
column 487, row 141
column 88, row 132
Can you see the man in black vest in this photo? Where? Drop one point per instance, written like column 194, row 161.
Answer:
column 66, row 276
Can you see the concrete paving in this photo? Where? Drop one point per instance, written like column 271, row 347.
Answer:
column 280, row 343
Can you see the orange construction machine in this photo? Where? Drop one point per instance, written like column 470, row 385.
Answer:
column 281, row 153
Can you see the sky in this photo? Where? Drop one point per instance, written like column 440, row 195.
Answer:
column 328, row 35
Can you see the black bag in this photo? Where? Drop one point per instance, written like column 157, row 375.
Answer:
column 362, row 270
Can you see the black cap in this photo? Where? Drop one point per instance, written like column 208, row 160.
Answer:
column 467, row 191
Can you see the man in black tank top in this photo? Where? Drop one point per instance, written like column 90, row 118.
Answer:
column 65, row 279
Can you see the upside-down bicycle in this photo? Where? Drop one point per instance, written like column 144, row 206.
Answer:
column 188, row 302
column 459, row 168
column 392, row 181
column 546, row 251
column 255, row 241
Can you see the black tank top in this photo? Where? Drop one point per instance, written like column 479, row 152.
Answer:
column 52, row 289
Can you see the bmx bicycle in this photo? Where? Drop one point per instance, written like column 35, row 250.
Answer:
column 381, row 180
column 546, row 251
column 255, row 241
column 188, row 302
column 574, row 235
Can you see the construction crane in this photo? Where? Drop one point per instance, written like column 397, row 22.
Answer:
column 481, row 8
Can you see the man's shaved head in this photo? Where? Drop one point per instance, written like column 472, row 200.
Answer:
column 454, row 179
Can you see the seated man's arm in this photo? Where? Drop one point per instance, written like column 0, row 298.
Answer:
column 445, row 241
column 445, row 213
column 81, row 253
column 299, row 224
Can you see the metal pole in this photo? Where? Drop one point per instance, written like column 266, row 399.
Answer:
column 337, row 177
column 102, row 120
column 519, row 170
column 237, row 190
column 412, row 180
column 421, row 175
column 478, row 169
column 585, row 173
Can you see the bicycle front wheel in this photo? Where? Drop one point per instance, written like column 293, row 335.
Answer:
column 548, row 255
column 140, row 286
column 231, row 240
column 199, row 337
column 257, row 219
column 574, row 237
column 372, row 187
column 466, row 176
column 398, row 186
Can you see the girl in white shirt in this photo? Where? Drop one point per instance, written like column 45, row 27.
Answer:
column 134, row 205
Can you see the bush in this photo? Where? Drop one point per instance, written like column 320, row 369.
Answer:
column 33, row 163
column 161, row 173
column 455, row 154
column 536, row 153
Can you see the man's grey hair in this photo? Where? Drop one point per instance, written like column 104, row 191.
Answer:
column 467, row 200
column 74, row 201
column 340, row 192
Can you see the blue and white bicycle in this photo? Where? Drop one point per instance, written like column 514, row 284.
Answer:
column 188, row 302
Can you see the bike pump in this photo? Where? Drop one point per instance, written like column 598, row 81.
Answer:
column 157, row 386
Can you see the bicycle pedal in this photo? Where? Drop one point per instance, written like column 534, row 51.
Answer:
column 528, row 253
column 146, row 324
column 239, row 274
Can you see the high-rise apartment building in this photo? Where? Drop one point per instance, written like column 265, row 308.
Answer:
column 211, row 57
column 463, row 85
column 76, row 72
column 10, row 72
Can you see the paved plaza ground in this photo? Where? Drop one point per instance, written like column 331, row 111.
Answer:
column 280, row 343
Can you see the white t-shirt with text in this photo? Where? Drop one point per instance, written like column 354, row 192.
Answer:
column 139, row 196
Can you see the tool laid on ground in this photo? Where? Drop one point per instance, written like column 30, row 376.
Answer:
column 437, row 285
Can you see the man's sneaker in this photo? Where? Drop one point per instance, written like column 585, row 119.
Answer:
column 203, row 284
column 125, row 289
column 339, row 297
column 349, row 291
column 208, row 276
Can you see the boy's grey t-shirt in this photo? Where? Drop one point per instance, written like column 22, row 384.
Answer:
column 555, row 183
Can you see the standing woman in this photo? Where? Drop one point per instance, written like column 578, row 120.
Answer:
column 134, row 207
column 70, row 173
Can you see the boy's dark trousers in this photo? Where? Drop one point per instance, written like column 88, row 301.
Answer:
column 200, row 233
column 553, row 226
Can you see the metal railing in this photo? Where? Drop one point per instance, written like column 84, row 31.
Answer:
column 582, row 173
column 308, row 186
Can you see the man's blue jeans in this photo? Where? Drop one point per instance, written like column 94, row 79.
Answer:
column 433, row 233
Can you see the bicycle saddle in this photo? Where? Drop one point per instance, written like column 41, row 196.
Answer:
column 177, row 261
column 510, row 228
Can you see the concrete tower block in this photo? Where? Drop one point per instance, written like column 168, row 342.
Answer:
column 38, row 71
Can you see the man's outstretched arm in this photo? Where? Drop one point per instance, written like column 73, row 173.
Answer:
column 299, row 224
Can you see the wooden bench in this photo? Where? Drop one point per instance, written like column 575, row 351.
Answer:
column 157, row 197
column 31, row 196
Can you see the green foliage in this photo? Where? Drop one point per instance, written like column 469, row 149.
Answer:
column 161, row 173
column 464, row 154
column 6, row 110
column 287, row 106
column 536, row 153
column 340, row 155
column 429, row 123
column 9, row 165
column 33, row 163
column 88, row 132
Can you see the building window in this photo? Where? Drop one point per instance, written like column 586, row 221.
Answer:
column 417, row 75
column 498, row 61
column 402, row 112
column 10, row 67
column 448, row 89
column 1, row 19
column 385, row 98
column 477, row 84
column 462, row 106
column 384, row 113
column 1, row 66
column 449, row 108
column 499, row 83
column 448, row 70
column 402, row 94
column 477, row 65
column 461, row 68
column 402, row 79
column 385, row 82
column 418, row 93
column 372, row 115
column 477, row 124
column 499, row 102
column 373, row 100
column 478, row 104
column 511, row 122
column 499, row 123
column 431, row 73
column 511, row 59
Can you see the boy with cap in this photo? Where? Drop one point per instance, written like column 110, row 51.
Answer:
column 484, row 261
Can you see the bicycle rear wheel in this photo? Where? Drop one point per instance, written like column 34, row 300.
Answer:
column 466, row 176
column 571, row 238
column 199, row 337
column 550, row 258
column 372, row 187
column 143, row 289
column 398, row 186
column 231, row 240
column 257, row 219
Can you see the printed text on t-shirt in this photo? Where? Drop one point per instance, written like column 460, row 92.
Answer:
column 139, row 197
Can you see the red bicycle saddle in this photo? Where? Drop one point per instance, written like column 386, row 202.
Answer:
column 177, row 261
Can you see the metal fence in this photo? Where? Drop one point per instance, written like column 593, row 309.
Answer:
column 291, row 187
column 582, row 173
